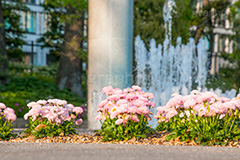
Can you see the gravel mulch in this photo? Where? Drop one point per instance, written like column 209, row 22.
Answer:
column 89, row 136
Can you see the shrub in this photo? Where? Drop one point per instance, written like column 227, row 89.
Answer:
column 51, row 118
column 124, row 113
column 21, row 90
column 201, row 116
column 7, row 115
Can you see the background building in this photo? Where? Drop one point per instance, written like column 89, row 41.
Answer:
column 222, row 30
column 34, row 22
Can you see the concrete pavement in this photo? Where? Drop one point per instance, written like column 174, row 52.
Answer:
column 59, row 151
column 38, row 151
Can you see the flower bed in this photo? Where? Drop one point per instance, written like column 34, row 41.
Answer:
column 51, row 118
column 201, row 116
column 124, row 113
column 7, row 115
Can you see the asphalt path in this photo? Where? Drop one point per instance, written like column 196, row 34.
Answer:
column 53, row 151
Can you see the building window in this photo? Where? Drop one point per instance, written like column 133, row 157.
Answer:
column 221, row 43
column 30, row 1
column 29, row 21
column 40, row 23
column 47, row 18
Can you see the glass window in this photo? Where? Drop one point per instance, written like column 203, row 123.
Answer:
column 33, row 1
column 29, row 21
column 46, row 20
column 221, row 43
column 30, row 1
column 40, row 23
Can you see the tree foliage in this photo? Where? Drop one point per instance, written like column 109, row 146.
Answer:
column 14, row 32
column 230, row 73
column 65, row 34
column 149, row 23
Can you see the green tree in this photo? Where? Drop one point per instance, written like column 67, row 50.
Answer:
column 14, row 32
column 10, row 35
column 69, row 47
column 229, row 75
column 3, row 51
column 149, row 23
column 53, row 37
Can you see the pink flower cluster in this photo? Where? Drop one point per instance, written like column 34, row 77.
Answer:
column 203, row 104
column 125, row 105
column 7, row 113
column 55, row 110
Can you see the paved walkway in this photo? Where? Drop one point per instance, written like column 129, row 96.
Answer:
column 40, row 151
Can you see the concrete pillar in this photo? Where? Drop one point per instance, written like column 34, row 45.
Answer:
column 110, row 45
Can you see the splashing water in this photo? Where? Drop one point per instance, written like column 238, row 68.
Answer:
column 167, row 69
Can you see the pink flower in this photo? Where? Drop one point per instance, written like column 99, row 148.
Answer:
column 143, row 110
column 113, row 98
column 221, row 116
column 26, row 116
column 119, row 121
column 124, row 104
column 171, row 113
column 78, row 122
column 143, row 99
column 123, row 108
column 138, row 103
column 136, row 88
column 206, row 95
column 32, row 104
column 128, row 90
column 135, row 118
column 122, row 101
column 195, row 92
column 34, row 111
column 51, row 116
column 10, row 117
column 149, row 95
column 2, row 106
column 114, row 114
column 107, row 90
column 42, row 102
column 38, row 106
column 78, row 110
column 98, row 117
column 131, row 96
column 71, row 106
column 8, row 110
column 189, row 103
column 229, row 105
column 202, row 112
column 225, row 99
column 175, row 101
column 103, row 103
column 151, row 104
column 117, row 91
column 132, row 109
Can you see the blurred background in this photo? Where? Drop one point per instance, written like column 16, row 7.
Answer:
column 43, row 44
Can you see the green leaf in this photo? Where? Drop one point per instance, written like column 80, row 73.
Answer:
column 168, row 137
column 199, row 139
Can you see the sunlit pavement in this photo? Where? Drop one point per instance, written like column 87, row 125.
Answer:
column 59, row 151
column 37, row 151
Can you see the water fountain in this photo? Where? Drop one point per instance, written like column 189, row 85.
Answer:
column 167, row 69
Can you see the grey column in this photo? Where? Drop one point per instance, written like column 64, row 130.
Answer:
column 110, row 45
